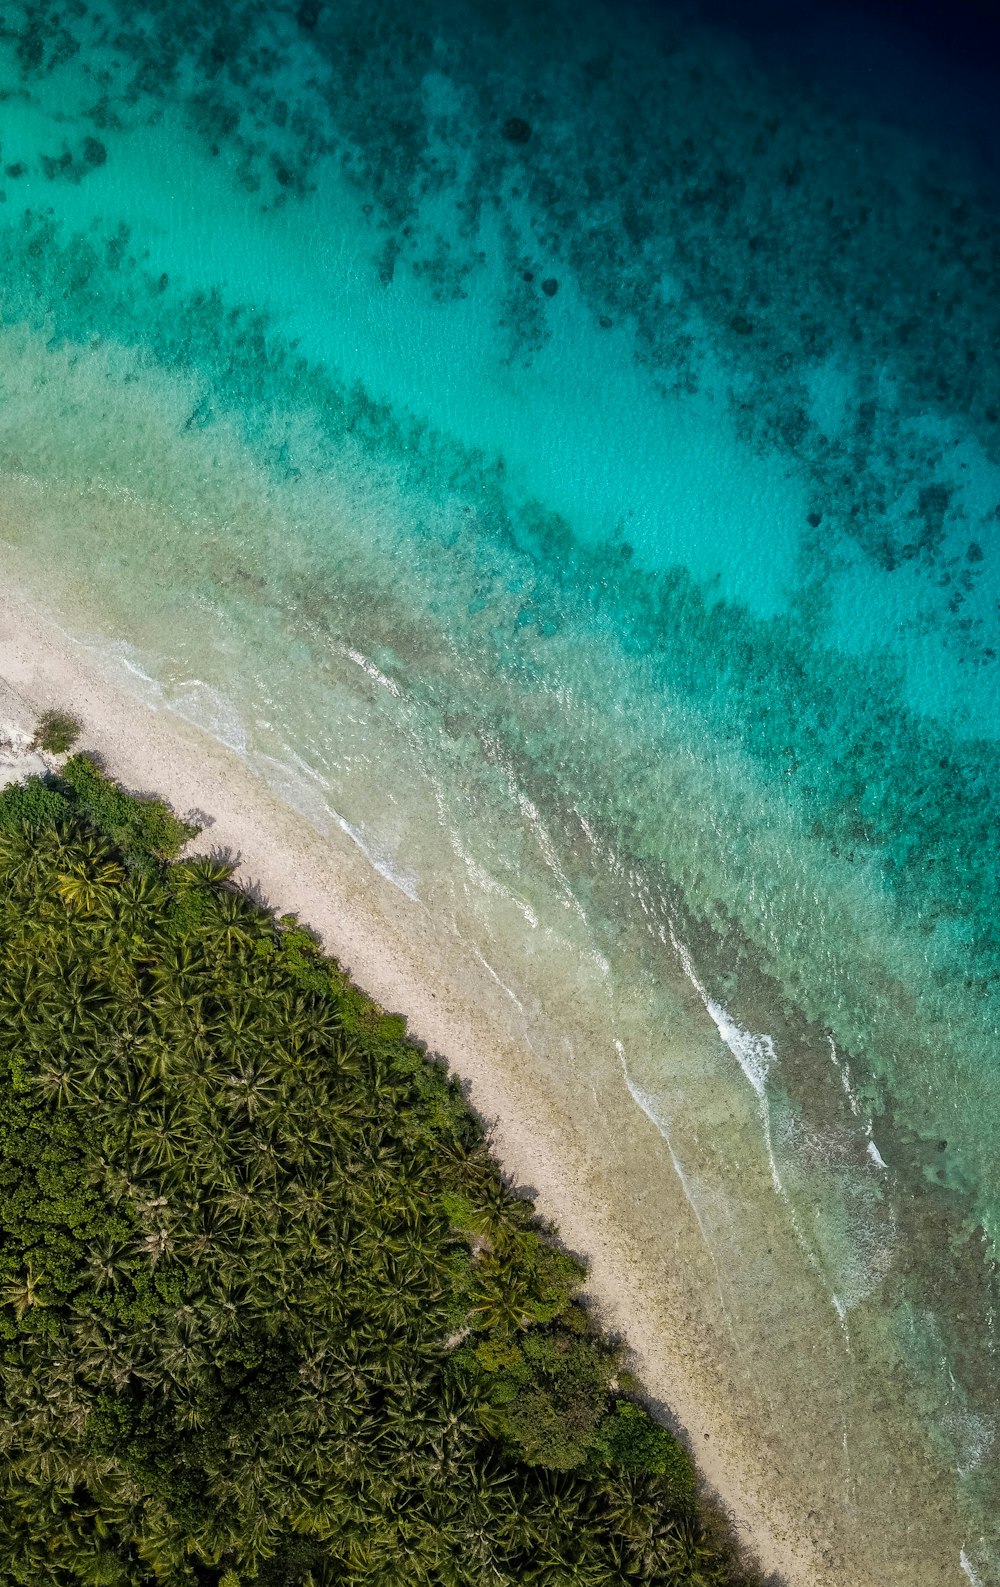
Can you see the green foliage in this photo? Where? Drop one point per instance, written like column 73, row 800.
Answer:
column 548, row 1394
column 268, row 1313
column 628, row 1437
column 144, row 830
column 56, row 733
column 32, row 804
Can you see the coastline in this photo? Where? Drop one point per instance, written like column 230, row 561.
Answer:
column 391, row 951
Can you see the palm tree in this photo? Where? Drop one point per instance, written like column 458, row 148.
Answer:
column 55, row 1082
column 202, row 870
column 90, row 891
column 24, row 1293
column 229, row 929
column 107, row 1264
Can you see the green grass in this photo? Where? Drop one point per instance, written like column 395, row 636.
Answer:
column 268, row 1312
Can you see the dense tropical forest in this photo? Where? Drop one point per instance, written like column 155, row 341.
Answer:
column 268, row 1311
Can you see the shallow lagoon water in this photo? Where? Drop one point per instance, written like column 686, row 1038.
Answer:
column 563, row 453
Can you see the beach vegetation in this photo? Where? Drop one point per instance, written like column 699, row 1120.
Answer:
column 56, row 732
column 145, row 830
column 269, row 1312
column 631, row 1440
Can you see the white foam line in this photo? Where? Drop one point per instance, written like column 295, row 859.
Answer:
column 489, row 884
column 533, row 817
column 370, row 668
column 119, row 652
column 652, row 1112
column 597, row 958
column 501, row 984
column 226, row 723
column 479, row 875
column 648, row 1106
column 531, row 812
column 969, row 1569
column 134, row 668
column 643, row 1100
column 756, row 1056
column 586, row 828
column 227, row 726
column 403, row 883
column 299, row 765
column 765, row 1113
column 875, row 1155
column 845, row 1077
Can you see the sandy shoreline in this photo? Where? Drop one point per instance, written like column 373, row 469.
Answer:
column 392, row 952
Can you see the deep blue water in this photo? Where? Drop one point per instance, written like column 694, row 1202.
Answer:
column 920, row 64
column 560, row 447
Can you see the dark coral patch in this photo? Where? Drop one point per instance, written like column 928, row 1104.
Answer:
column 550, row 286
column 57, row 165
column 516, row 130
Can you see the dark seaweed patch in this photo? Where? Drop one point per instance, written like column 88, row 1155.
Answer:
column 516, row 130
column 307, row 14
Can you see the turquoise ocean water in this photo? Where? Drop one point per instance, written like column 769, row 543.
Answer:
column 560, row 447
